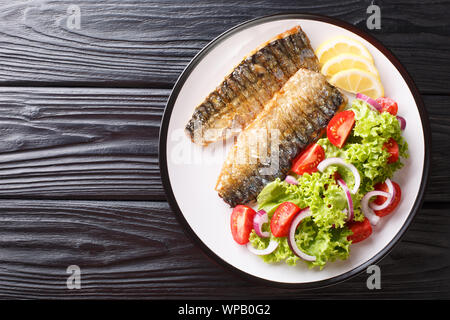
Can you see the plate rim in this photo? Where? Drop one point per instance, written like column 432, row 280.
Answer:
column 162, row 151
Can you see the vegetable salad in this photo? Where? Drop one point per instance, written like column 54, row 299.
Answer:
column 367, row 137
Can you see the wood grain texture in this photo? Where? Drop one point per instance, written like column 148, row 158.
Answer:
column 86, row 143
column 438, row 107
column 130, row 43
column 80, row 143
column 74, row 149
column 137, row 250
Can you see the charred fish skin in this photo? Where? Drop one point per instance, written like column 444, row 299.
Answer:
column 298, row 114
column 246, row 89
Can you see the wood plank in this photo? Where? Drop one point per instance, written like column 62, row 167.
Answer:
column 80, row 143
column 438, row 112
column 138, row 249
column 88, row 143
column 147, row 44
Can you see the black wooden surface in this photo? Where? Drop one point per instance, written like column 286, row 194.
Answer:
column 80, row 112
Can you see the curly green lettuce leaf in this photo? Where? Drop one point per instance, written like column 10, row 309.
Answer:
column 364, row 147
column 281, row 253
column 318, row 191
column 326, row 245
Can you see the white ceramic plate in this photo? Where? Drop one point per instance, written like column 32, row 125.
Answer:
column 189, row 172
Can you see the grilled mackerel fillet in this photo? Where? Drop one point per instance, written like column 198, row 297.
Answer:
column 243, row 93
column 292, row 119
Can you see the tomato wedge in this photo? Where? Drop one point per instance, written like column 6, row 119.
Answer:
column 380, row 200
column 361, row 230
column 340, row 126
column 388, row 105
column 308, row 159
column 242, row 223
column 282, row 219
column 392, row 147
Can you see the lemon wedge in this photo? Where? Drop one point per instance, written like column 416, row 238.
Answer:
column 347, row 61
column 339, row 45
column 357, row 80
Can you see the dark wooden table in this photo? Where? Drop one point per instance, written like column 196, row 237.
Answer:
column 80, row 111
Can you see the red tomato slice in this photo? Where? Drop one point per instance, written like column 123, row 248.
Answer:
column 392, row 147
column 380, row 200
column 340, row 126
column 242, row 223
column 282, row 219
column 308, row 159
column 388, row 105
column 361, row 230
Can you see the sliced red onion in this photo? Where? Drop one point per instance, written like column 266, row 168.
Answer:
column 350, row 212
column 402, row 122
column 291, row 180
column 375, row 105
column 291, row 237
column 368, row 212
column 340, row 162
column 273, row 244
column 260, row 218
column 389, row 199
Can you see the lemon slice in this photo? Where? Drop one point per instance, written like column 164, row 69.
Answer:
column 357, row 80
column 341, row 44
column 347, row 61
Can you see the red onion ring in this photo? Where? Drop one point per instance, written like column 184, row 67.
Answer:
column 291, row 237
column 260, row 218
column 375, row 105
column 340, row 162
column 388, row 201
column 368, row 212
column 291, row 180
column 350, row 212
column 273, row 244
column 402, row 122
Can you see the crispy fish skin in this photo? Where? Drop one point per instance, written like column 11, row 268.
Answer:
column 295, row 117
column 246, row 89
